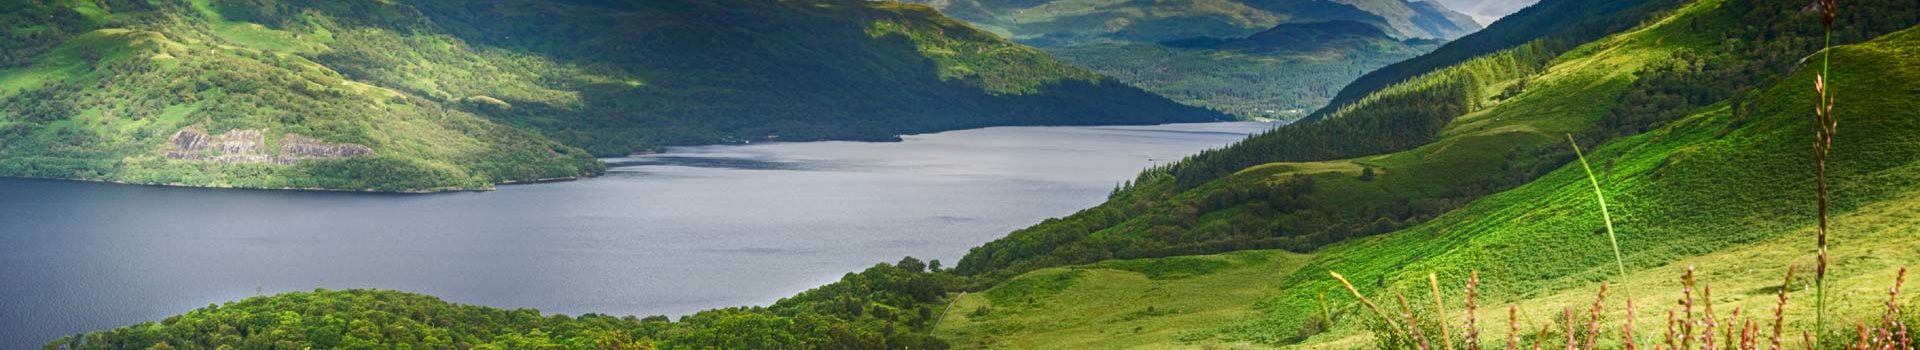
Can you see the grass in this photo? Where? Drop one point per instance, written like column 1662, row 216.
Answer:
column 1119, row 304
column 1684, row 191
column 1728, row 193
column 1601, row 198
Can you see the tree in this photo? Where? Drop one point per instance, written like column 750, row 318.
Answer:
column 1366, row 174
column 911, row 265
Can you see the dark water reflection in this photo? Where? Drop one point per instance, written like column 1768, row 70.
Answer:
column 673, row 233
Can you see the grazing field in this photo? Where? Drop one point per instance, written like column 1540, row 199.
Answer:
column 1118, row 304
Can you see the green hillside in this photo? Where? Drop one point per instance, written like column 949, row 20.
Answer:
column 1725, row 185
column 430, row 94
column 1683, row 196
column 884, row 307
column 1118, row 304
column 1488, row 124
column 1694, row 119
column 1552, row 25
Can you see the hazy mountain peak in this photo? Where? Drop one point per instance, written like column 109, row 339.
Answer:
column 1486, row 11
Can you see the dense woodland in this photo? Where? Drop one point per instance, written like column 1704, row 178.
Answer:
column 88, row 99
column 888, row 306
column 464, row 95
column 763, row 71
column 1559, row 24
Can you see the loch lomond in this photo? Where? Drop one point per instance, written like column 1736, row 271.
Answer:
column 661, row 234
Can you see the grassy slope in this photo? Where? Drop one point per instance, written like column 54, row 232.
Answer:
column 1729, row 193
column 1118, row 304
column 1562, row 23
column 1495, row 143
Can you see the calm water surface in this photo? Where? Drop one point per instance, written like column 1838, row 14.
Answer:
column 672, row 233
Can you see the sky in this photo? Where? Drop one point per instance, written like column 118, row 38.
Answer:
column 1486, row 11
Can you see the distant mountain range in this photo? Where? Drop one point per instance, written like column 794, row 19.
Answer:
column 1048, row 23
column 1487, row 11
column 1151, row 44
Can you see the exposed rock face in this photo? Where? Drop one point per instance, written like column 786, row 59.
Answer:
column 244, row 147
column 297, row 146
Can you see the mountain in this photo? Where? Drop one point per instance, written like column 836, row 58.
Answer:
column 1149, row 44
column 1280, row 73
column 1694, row 119
column 439, row 94
column 1487, row 11
column 1047, row 23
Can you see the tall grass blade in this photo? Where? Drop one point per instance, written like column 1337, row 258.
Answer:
column 1604, row 214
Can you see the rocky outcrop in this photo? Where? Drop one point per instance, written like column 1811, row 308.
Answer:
column 300, row 147
column 245, row 146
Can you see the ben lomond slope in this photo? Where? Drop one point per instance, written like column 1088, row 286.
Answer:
column 1698, row 126
column 437, row 94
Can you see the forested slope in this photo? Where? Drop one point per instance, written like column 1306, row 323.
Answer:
column 1698, row 129
column 1281, row 73
column 1713, row 175
column 1427, row 146
column 888, row 306
column 432, row 94
column 1551, row 25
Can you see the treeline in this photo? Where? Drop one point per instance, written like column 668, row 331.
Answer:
column 463, row 95
column 102, row 104
column 1567, row 22
column 888, row 306
column 1409, row 115
column 1758, row 50
column 1158, row 213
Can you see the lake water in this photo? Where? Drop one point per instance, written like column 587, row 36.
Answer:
column 690, row 229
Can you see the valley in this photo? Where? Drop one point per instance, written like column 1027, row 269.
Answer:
column 673, row 233
column 1587, row 175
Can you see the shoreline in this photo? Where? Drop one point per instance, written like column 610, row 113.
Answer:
column 603, row 161
column 308, row 189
